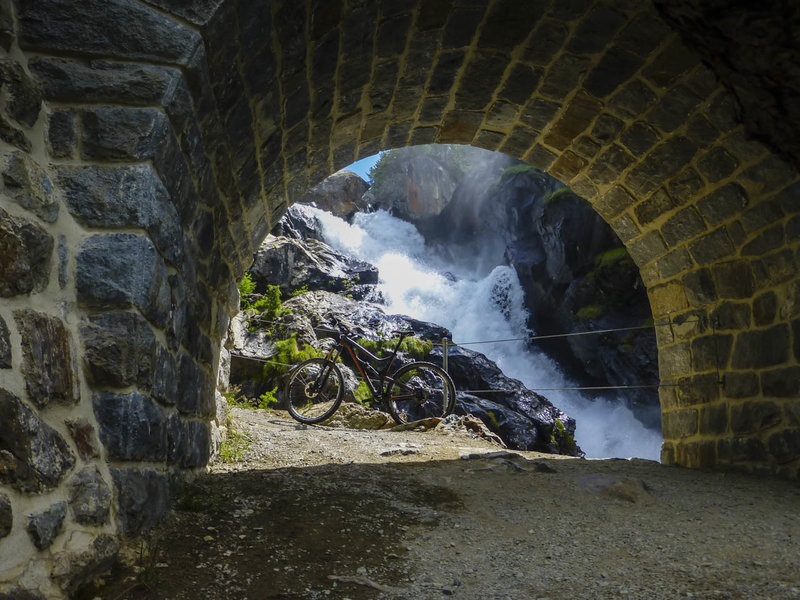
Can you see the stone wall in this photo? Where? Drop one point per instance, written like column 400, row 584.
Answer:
column 148, row 146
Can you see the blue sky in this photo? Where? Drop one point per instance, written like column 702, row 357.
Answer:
column 362, row 167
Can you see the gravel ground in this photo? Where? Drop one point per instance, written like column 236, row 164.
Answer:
column 319, row 512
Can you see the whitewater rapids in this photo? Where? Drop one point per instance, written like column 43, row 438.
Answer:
column 481, row 308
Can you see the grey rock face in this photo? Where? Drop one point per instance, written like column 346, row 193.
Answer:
column 132, row 426
column 142, row 498
column 121, row 270
column 48, row 366
column 33, row 456
column 25, row 259
column 292, row 264
column 30, row 187
column 122, row 197
column 340, row 194
column 5, row 346
column 6, row 516
column 119, row 349
column 89, row 497
column 44, row 527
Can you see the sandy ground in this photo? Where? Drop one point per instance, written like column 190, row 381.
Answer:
column 316, row 512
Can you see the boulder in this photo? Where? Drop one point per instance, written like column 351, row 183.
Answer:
column 341, row 194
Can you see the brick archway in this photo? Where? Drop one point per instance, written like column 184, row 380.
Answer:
column 150, row 146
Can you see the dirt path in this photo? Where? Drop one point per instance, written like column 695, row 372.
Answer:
column 316, row 512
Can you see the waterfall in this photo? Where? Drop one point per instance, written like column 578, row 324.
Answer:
column 479, row 308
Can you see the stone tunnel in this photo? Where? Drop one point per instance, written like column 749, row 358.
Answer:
column 148, row 146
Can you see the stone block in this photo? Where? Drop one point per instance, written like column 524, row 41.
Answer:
column 26, row 256
column 781, row 383
column 639, row 138
column 784, row 446
column 683, row 225
column 700, row 289
column 112, row 133
column 740, row 385
column 614, row 69
column 662, row 163
column 711, row 352
column 121, row 270
column 608, row 166
column 130, row 30
column 142, row 498
column 506, row 25
column 481, row 78
column 82, row 433
column 577, row 117
column 717, row 164
column 712, row 247
column 673, row 110
column 461, row 26
column 796, row 336
column 733, row 279
column 723, row 203
column 625, row 228
column 6, row 516
column 678, row 424
column 44, row 527
column 765, row 308
column 192, row 447
column 701, row 131
column 89, row 497
column 195, row 389
column 548, row 39
column 165, row 377
column 674, row 361
column 131, row 426
column 643, row 34
column 47, row 361
column 731, row 316
column 539, row 113
column 61, row 134
column 567, row 166
column 541, row 158
column 614, row 202
column 26, row 183
column 670, row 64
column 698, row 390
column 5, row 345
column 769, row 175
column 776, row 268
column 633, row 99
column 586, row 146
column 741, row 449
column 460, row 127
column 697, row 454
column 24, row 94
column 595, row 30
column 674, row 263
column 521, row 84
column 646, row 248
column 563, row 76
column 713, row 419
column 119, row 350
column 685, row 185
column 766, row 241
column 761, row 348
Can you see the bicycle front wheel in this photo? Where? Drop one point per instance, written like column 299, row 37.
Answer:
column 314, row 390
column 421, row 390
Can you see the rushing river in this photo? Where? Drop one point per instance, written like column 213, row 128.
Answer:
column 477, row 308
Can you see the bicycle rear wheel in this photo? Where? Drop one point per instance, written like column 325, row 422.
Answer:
column 314, row 390
column 421, row 390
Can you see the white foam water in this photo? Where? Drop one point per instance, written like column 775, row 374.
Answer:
column 478, row 309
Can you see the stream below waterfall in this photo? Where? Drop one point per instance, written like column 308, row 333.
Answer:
column 481, row 307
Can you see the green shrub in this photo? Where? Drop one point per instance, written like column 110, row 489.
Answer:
column 246, row 287
column 301, row 290
column 270, row 306
column 362, row 393
column 233, row 447
column 268, row 399
column 287, row 353
column 415, row 347
column 612, row 258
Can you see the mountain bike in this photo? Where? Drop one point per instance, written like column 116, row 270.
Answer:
column 315, row 387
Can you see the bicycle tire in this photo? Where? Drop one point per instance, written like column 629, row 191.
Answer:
column 306, row 404
column 431, row 393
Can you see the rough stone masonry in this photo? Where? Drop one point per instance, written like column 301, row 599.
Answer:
column 147, row 146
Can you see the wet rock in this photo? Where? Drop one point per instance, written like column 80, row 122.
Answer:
column 33, row 456
column 5, row 346
column 89, row 497
column 44, row 527
column 6, row 516
column 295, row 264
column 25, row 256
column 132, row 426
column 142, row 498
column 47, row 362
column 298, row 224
column 28, row 185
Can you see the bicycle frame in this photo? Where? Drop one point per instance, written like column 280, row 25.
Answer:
column 347, row 345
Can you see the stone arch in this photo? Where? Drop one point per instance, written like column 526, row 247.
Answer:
column 149, row 145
